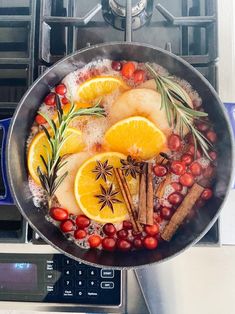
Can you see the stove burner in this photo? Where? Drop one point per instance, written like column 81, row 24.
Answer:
column 114, row 12
column 119, row 7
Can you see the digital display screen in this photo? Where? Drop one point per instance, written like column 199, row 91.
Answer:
column 18, row 277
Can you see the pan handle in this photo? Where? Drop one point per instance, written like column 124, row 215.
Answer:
column 231, row 113
column 5, row 199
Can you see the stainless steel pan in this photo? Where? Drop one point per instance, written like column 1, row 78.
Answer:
column 17, row 176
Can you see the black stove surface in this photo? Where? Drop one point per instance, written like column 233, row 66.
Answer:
column 35, row 34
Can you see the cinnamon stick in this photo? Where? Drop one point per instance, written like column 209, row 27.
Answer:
column 127, row 198
column 162, row 159
column 182, row 211
column 149, row 196
column 162, row 186
column 142, row 213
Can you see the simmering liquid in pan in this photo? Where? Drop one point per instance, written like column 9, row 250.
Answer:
column 121, row 153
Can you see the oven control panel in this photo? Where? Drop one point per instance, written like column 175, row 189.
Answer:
column 57, row 278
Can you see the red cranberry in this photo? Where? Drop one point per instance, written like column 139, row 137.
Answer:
column 122, row 234
column 189, row 138
column 195, row 169
column 82, row 221
column 40, row 120
column 175, row 198
column 197, row 102
column 123, row 245
column 64, row 100
column 202, row 127
column 150, row 243
column 109, row 244
column 209, row 172
column 109, row 229
column 59, row 213
column 174, row 142
column 191, row 151
column 128, row 70
column 80, row 234
column 67, row 225
column 206, row 194
column 159, row 170
column 127, row 225
column 177, row 186
column 156, row 207
column 178, row 167
column 137, row 243
column 136, row 234
column 213, row 155
column 187, row 179
column 139, row 76
column 187, row 159
column 94, row 240
column 116, row 65
column 151, row 229
column 49, row 100
column 200, row 203
column 166, row 213
column 60, row 89
column 211, row 136
column 157, row 218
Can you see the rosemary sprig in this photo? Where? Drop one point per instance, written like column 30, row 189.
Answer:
column 178, row 111
column 50, row 180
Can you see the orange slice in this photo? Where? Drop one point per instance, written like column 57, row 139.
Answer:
column 86, row 187
column 40, row 146
column 136, row 136
column 99, row 86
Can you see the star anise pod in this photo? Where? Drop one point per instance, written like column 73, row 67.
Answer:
column 130, row 166
column 102, row 170
column 107, row 197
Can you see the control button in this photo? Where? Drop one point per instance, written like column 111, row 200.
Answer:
column 69, row 272
column 68, row 283
column 80, row 293
column 50, row 265
column 81, row 273
column 50, row 289
column 68, row 262
column 92, row 283
column 68, row 293
column 107, row 273
column 107, row 285
column 92, row 273
column 80, row 264
column 92, row 293
column 80, row 283
column 50, row 276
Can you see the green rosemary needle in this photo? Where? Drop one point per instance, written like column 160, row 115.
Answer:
column 179, row 114
column 49, row 178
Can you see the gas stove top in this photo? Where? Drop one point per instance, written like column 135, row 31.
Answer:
column 39, row 33
column 36, row 34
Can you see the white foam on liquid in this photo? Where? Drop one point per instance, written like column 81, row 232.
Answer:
column 204, row 162
column 94, row 131
column 39, row 195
